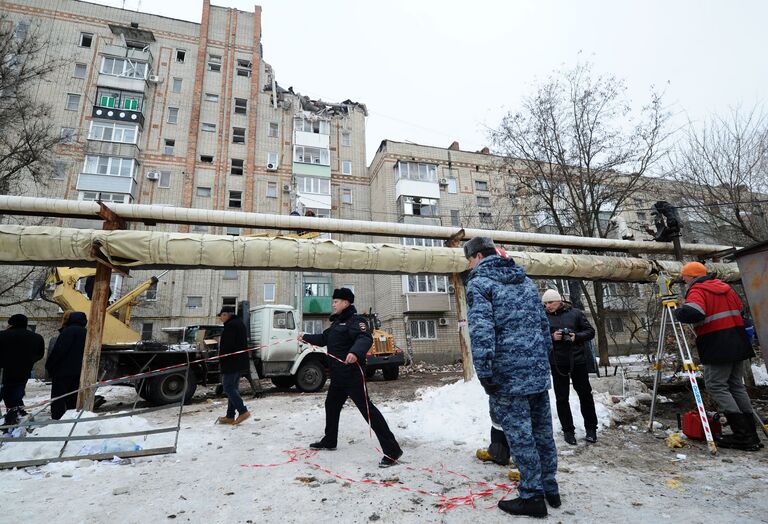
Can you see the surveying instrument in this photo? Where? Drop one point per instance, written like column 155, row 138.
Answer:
column 669, row 302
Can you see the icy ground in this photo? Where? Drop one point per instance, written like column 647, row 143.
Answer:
column 628, row 476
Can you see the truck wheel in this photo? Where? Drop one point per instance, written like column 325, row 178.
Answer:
column 310, row 377
column 391, row 372
column 284, row 382
column 370, row 372
column 168, row 389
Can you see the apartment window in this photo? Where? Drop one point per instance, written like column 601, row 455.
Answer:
column 211, row 97
column 146, row 330
column 614, row 324
column 176, row 86
column 311, row 155
column 244, row 68
column 238, row 135
column 206, row 159
column 322, row 127
column 118, row 198
column 214, row 63
column 416, row 171
column 485, row 219
column 269, row 292
column 203, row 191
column 108, row 165
column 194, row 302
column 80, row 70
column 422, row 242
column 318, row 289
column 22, row 28
column 274, row 129
column 455, row 218
column 346, row 196
column 271, row 189
column 199, row 228
column 427, row 283
column 308, row 184
column 67, row 135
column 229, row 302
column 151, row 292
column 483, row 201
column 124, row 67
column 113, row 132
column 181, row 55
column 237, row 167
column 453, row 187
column 208, row 127
column 170, row 145
column 346, row 139
column 423, row 330
column 59, row 169
column 86, row 39
column 314, row 326
column 272, row 160
column 73, row 102
column 230, row 274
column 418, row 206
column 241, row 106
column 235, row 199
column 173, row 115
column 346, row 167
column 165, row 179
column 481, row 185
column 232, row 231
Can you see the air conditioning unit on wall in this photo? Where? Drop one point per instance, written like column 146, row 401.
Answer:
column 286, row 188
column 442, row 321
column 443, row 181
column 154, row 79
column 271, row 167
column 153, row 175
column 451, row 289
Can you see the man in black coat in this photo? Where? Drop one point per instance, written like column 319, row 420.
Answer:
column 349, row 340
column 234, row 338
column 19, row 350
column 570, row 331
column 64, row 363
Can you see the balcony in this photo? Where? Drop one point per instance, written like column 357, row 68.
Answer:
column 121, row 82
column 320, row 170
column 131, row 53
column 317, row 304
column 107, row 184
column 120, row 115
column 102, row 148
column 303, row 138
column 417, row 188
column 427, row 302
column 420, row 220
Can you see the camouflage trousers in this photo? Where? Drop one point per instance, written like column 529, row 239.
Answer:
column 527, row 423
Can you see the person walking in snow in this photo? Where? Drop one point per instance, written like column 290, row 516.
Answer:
column 724, row 348
column 348, row 340
column 234, row 338
column 20, row 348
column 570, row 330
column 64, row 363
column 510, row 348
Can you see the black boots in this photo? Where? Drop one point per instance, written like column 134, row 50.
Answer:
column 744, row 433
column 569, row 437
column 591, row 436
column 499, row 448
column 553, row 499
column 323, row 444
column 532, row 507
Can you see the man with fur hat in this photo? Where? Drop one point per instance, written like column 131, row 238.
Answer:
column 714, row 308
column 20, row 348
column 348, row 340
column 510, row 348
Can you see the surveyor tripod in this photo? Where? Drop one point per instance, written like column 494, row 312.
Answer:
column 669, row 303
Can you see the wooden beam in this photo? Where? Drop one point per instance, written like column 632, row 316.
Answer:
column 460, row 297
column 92, row 353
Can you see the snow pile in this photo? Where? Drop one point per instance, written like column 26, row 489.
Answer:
column 457, row 415
column 35, row 450
column 760, row 374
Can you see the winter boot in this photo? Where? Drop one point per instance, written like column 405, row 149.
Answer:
column 752, row 429
column 741, row 438
column 225, row 420
column 323, row 444
column 499, row 448
column 242, row 417
column 591, row 436
column 569, row 437
column 532, row 507
column 389, row 461
column 553, row 499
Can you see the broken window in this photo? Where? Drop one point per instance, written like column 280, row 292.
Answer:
column 206, row 159
column 169, row 146
column 214, row 63
column 241, row 106
column 322, row 127
column 244, row 67
column 238, row 135
column 181, row 54
column 237, row 166
column 208, row 127
column 418, row 206
column 86, row 39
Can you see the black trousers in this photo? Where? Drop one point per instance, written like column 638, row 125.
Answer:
column 59, row 386
column 337, row 396
column 561, row 379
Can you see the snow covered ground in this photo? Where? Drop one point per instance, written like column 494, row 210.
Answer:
column 216, row 475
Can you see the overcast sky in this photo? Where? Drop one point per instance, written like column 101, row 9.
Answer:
column 433, row 71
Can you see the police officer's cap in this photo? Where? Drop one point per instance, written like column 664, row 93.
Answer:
column 344, row 293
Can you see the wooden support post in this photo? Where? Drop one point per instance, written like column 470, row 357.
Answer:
column 461, row 314
column 92, row 354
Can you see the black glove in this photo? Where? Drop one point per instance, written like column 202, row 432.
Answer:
column 489, row 385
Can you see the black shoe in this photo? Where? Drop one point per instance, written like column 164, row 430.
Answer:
column 323, row 444
column 591, row 436
column 532, row 507
column 553, row 499
column 389, row 461
column 743, row 434
column 569, row 437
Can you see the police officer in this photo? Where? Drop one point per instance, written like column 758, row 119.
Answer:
column 348, row 339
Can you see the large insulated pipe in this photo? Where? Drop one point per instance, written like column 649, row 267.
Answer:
column 37, row 245
column 153, row 214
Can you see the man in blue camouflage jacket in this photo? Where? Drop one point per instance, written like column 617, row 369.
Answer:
column 510, row 339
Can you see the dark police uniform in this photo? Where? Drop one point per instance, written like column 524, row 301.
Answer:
column 349, row 334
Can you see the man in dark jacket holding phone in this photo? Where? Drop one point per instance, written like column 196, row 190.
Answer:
column 570, row 331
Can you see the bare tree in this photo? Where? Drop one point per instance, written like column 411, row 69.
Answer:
column 578, row 153
column 29, row 134
column 722, row 170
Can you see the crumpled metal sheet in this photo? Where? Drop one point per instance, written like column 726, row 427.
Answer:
column 152, row 249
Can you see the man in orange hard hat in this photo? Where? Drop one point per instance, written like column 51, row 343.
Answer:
column 714, row 308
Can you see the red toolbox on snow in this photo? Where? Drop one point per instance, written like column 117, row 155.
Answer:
column 690, row 423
